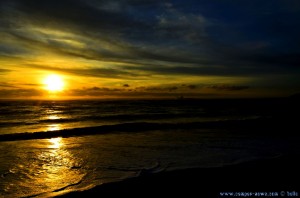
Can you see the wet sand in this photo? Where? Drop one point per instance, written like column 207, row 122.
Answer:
column 278, row 175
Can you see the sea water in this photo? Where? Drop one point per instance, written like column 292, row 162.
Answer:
column 36, row 167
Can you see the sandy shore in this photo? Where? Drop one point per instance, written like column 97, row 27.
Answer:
column 279, row 175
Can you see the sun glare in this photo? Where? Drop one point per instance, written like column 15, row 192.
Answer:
column 54, row 83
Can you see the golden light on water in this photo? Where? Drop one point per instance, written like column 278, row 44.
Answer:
column 57, row 163
column 53, row 127
column 47, row 168
column 53, row 117
column 55, row 142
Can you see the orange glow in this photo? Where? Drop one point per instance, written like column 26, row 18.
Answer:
column 54, row 83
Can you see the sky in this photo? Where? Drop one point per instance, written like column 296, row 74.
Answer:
column 149, row 49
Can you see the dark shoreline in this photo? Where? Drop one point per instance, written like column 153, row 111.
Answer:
column 278, row 175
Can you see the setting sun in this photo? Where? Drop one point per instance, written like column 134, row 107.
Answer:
column 54, row 83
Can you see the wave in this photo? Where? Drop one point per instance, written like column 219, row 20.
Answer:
column 121, row 118
column 149, row 116
column 233, row 125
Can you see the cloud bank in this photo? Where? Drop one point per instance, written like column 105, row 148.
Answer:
column 148, row 40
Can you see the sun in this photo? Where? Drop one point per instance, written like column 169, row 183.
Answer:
column 54, row 83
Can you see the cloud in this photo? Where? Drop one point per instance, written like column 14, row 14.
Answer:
column 108, row 35
column 96, row 92
column 168, row 88
column 192, row 86
column 274, row 61
column 224, row 87
column 4, row 70
column 9, row 49
column 161, row 91
column 211, row 70
column 93, row 72
column 187, row 26
column 7, row 85
column 147, row 91
column 20, row 93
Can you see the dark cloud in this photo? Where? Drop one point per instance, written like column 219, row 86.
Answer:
column 172, row 88
column 20, row 93
column 192, row 86
column 10, row 85
column 4, row 70
column 161, row 89
column 189, row 86
column 275, row 61
column 96, row 92
column 7, row 85
column 228, row 87
column 238, row 69
column 126, row 85
column 143, row 91
column 11, row 50
column 31, row 84
column 92, row 72
column 175, row 24
column 73, row 13
column 102, row 89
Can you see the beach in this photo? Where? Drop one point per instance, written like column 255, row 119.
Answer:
column 276, row 175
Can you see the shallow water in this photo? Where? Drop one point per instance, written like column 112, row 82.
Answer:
column 35, row 167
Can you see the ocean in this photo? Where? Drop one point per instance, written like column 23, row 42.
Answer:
column 53, row 147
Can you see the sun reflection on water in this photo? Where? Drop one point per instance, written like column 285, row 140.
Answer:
column 55, row 142
column 57, row 165
column 53, row 117
column 53, row 127
column 50, row 165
